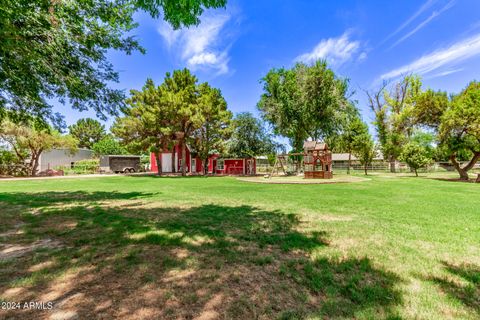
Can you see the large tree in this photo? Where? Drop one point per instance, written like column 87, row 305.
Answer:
column 30, row 139
column 393, row 107
column 460, row 127
column 348, row 140
column 56, row 49
column 87, row 131
column 249, row 137
column 181, row 93
column 456, row 121
column 148, row 121
column 179, row 111
column 210, row 137
column 365, row 150
column 304, row 102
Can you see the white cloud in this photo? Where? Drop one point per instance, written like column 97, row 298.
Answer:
column 201, row 46
column 453, row 55
column 210, row 60
column 444, row 73
column 420, row 26
column 336, row 51
column 203, row 58
column 417, row 13
column 362, row 56
column 169, row 35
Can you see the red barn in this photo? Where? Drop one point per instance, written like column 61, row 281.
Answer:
column 216, row 164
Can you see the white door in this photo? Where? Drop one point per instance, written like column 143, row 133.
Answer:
column 250, row 167
column 166, row 162
column 194, row 165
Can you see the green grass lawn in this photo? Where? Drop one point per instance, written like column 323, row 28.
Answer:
column 392, row 247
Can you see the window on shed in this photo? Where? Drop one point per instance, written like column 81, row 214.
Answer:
column 220, row 164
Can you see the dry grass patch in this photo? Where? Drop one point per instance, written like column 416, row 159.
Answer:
column 145, row 260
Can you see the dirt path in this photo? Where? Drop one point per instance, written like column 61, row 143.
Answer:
column 85, row 176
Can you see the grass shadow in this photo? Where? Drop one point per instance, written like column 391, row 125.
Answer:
column 42, row 199
column 349, row 287
column 211, row 261
column 462, row 284
column 470, row 180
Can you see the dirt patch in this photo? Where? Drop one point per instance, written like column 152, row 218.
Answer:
column 120, row 260
column 15, row 231
column 301, row 180
column 11, row 251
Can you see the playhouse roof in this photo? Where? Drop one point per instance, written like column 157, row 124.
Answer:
column 314, row 145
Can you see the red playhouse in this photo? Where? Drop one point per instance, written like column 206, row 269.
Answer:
column 172, row 162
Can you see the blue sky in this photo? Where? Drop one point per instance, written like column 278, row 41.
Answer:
column 366, row 41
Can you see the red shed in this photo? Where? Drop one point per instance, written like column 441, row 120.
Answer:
column 216, row 164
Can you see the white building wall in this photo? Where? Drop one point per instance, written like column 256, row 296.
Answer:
column 62, row 157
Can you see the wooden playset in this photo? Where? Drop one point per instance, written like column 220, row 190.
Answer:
column 315, row 162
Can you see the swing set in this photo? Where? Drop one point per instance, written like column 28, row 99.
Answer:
column 314, row 163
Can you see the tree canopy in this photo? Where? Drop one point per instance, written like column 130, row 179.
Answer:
column 364, row 150
column 87, row 131
column 460, row 127
column 393, row 108
column 249, row 137
column 348, row 140
column 147, row 124
column 108, row 146
column 53, row 49
column 211, row 136
column 406, row 117
column 304, row 102
column 178, row 111
column 29, row 140
column 416, row 156
column 179, row 13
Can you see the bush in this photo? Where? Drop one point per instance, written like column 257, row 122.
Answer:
column 416, row 156
column 11, row 165
column 108, row 146
column 87, row 166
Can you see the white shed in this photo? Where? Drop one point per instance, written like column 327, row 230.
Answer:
column 62, row 157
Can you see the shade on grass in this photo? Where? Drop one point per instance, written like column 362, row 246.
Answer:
column 390, row 247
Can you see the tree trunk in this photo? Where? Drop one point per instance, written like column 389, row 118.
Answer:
column 173, row 159
column 184, row 159
column 34, row 165
column 473, row 161
column 205, row 166
column 392, row 165
column 416, row 173
column 349, row 162
column 461, row 171
column 158, row 158
column 365, row 168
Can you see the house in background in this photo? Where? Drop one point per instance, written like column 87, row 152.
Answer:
column 340, row 161
column 62, row 157
column 194, row 165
